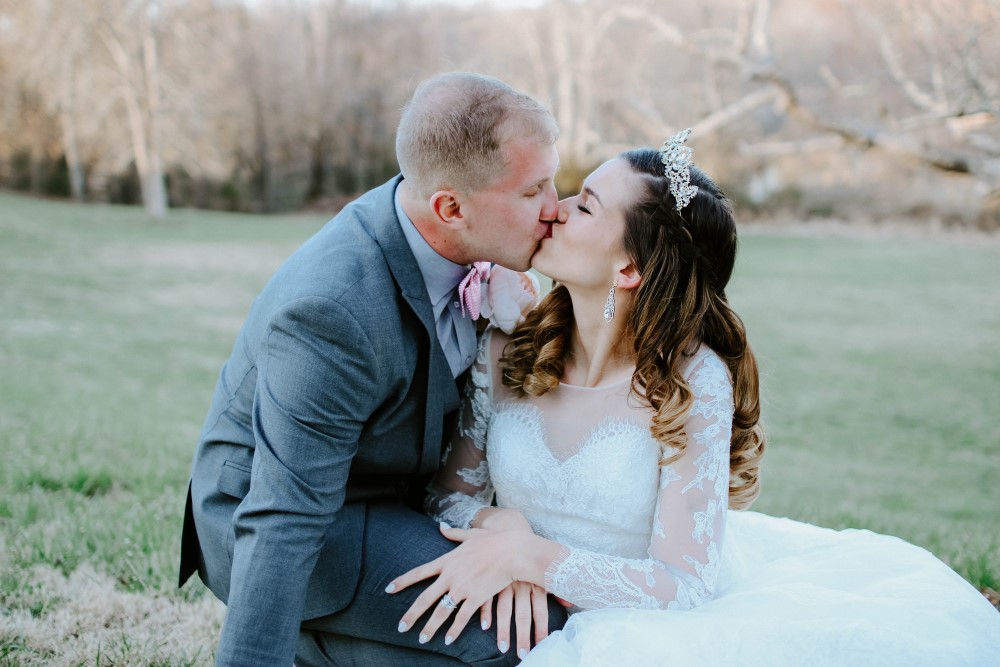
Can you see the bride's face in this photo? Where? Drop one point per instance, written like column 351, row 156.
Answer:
column 585, row 248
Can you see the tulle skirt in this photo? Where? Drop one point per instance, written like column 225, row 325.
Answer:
column 790, row 593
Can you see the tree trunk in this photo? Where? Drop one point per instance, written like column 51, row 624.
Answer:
column 156, row 187
column 140, row 91
column 67, row 107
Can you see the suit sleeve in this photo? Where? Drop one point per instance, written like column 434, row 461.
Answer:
column 317, row 385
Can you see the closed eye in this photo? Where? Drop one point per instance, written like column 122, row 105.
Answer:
column 583, row 208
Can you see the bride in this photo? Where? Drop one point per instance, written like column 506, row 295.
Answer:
column 617, row 430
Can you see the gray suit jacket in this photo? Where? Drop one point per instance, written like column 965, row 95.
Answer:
column 335, row 394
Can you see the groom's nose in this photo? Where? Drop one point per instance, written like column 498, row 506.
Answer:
column 550, row 207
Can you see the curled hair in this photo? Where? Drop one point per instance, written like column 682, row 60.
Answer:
column 452, row 132
column 685, row 259
column 534, row 359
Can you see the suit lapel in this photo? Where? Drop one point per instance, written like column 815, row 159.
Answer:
column 442, row 394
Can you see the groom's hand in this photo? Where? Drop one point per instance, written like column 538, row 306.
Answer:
column 528, row 603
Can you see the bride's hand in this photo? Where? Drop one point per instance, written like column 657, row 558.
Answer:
column 467, row 580
column 501, row 518
column 522, row 600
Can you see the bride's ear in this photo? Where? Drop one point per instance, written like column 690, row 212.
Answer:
column 628, row 277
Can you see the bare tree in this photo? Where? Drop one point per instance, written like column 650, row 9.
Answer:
column 941, row 57
column 277, row 104
column 130, row 34
column 55, row 47
column 932, row 98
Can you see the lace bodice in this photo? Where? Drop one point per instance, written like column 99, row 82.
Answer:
column 582, row 466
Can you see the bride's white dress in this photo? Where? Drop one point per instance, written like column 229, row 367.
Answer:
column 660, row 572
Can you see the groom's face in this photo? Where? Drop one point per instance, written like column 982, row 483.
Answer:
column 508, row 218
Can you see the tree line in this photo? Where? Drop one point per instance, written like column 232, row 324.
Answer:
column 268, row 106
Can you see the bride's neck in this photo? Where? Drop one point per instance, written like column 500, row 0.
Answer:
column 598, row 353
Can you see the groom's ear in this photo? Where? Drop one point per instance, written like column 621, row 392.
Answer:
column 628, row 277
column 447, row 208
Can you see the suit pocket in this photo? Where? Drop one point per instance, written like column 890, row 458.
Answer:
column 234, row 480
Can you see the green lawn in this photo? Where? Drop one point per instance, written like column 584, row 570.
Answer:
column 881, row 369
column 880, row 361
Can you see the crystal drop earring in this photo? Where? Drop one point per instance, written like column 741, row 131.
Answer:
column 609, row 305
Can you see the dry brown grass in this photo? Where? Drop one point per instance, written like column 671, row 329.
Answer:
column 83, row 619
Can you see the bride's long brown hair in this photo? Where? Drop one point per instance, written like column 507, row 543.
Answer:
column 685, row 259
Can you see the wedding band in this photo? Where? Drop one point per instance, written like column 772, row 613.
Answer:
column 446, row 601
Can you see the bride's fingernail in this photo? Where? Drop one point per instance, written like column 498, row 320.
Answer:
column 522, row 654
column 391, row 588
column 445, row 526
column 402, row 626
column 423, row 638
column 448, row 639
column 503, row 647
column 485, row 624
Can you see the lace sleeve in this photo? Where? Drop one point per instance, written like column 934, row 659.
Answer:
column 688, row 524
column 462, row 485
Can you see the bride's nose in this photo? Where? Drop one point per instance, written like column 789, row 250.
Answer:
column 563, row 213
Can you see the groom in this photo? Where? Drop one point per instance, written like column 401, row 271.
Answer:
column 330, row 412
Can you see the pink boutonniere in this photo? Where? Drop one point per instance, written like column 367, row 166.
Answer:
column 508, row 296
column 503, row 296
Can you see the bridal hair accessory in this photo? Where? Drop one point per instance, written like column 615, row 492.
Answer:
column 446, row 601
column 497, row 293
column 676, row 159
column 609, row 305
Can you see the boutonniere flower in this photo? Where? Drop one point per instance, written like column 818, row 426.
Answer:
column 503, row 296
column 508, row 296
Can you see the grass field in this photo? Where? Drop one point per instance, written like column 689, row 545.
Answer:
column 880, row 361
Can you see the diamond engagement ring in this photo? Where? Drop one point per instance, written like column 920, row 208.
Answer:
column 446, row 601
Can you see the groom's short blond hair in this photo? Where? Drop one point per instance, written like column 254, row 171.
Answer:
column 452, row 132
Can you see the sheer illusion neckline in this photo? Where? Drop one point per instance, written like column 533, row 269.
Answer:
column 600, row 387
